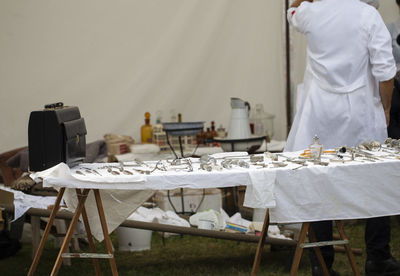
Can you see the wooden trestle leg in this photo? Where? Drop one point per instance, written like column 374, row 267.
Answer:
column 105, row 232
column 306, row 228
column 81, row 203
column 89, row 236
column 317, row 250
column 349, row 251
column 260, row 245
column 46, row 232
column 299, row 249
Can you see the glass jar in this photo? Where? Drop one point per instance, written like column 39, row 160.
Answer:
column 316, row 149
column 262, row 122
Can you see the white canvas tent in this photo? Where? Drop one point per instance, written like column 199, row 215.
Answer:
column 116, row 60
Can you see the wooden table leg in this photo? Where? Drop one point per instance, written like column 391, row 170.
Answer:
column 46, row 232
column 35, row 225
column 71, row 229
column 299, row 249
column 349, row 251
column 89, row 236
column 105, row 232
column 318, row 253
column 61, row 228
column 260, row 246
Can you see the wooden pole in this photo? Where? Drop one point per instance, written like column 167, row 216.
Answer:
column 288, row 72
column 168, row 228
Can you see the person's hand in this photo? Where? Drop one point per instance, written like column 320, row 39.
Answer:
column 386, row 92
column 297, row 3
column 387, row 116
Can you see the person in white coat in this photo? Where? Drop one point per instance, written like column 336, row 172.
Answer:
column 348, row 54
column 345, row 99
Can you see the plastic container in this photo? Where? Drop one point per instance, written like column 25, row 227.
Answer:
column 131, row 239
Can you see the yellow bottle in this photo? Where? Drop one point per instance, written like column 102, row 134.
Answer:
column 146, row 129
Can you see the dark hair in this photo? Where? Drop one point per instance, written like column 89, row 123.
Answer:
column 398, row 2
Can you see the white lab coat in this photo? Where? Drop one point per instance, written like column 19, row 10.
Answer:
column 349, row 52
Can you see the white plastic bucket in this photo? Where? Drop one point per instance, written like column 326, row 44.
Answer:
column 131, row 239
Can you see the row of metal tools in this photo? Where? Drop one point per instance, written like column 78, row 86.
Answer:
column 361, row 153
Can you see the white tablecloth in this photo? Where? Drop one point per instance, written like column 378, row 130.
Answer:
column 122, row 194
column 349, row 191
column 358, row 189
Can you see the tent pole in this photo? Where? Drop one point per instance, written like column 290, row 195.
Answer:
column 288, row 76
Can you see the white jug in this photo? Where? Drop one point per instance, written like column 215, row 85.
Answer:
column 239, row 127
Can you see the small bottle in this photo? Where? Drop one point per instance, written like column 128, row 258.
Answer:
column 158, row 136
column 258, row 124
column 208, row 137
column 200, row 137
column 158, row 117
column 146, row 129
column 316, row 149
column 179, row 118
column 172, row 112
column 213, row 131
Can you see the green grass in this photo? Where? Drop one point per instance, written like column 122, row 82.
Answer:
column 190, row 255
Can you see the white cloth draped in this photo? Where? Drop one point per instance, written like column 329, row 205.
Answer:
column 357, row 189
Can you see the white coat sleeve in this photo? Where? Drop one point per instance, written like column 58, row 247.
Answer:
column 380, row 49
column 298, row 17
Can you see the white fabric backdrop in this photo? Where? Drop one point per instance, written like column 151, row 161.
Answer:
column 389, row 10
column 117, row 59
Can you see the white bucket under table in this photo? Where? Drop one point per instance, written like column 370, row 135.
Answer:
column 131, row 239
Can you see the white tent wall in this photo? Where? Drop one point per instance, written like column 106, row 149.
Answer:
column 389, row 10
column 116, row 60
column 390, row 13
column 298, row 47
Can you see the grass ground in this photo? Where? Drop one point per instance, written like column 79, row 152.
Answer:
column 189, row 255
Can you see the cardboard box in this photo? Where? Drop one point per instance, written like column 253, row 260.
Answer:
column 6, row 197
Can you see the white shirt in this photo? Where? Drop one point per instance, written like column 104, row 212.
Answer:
column 349, row 52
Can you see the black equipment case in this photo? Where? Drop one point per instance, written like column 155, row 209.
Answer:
column 56, row 134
